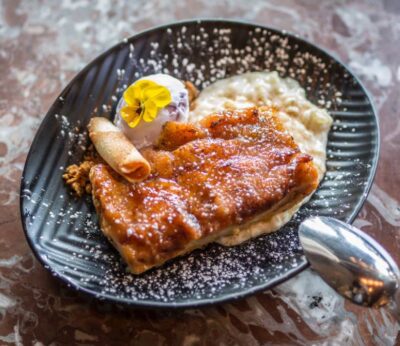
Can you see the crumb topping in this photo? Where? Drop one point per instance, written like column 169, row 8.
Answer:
column 76, row 176
column 193, row 93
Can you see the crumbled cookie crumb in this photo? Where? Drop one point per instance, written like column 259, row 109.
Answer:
column 193, row 92
column 77, row 176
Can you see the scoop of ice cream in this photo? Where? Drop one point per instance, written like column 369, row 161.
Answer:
column 146, row 133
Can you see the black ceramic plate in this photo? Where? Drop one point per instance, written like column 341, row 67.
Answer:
column 63, row 231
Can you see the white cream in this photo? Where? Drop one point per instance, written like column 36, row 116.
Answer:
column 308, row 124
column 145, row 133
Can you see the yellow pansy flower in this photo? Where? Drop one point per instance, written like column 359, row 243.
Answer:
column 143, row 101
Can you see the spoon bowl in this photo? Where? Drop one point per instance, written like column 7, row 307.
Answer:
column 350, row 261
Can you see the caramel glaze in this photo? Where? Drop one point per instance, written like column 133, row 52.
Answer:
column 205, row 177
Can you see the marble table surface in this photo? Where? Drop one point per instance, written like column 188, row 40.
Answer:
column 43, row 44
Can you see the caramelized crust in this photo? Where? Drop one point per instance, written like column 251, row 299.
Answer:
column 206, row 178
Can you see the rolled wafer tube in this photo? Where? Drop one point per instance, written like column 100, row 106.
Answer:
column 113, row 146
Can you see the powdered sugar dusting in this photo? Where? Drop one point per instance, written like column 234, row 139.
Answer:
column 73, row 246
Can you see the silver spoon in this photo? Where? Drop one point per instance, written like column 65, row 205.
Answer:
column 351, row 262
